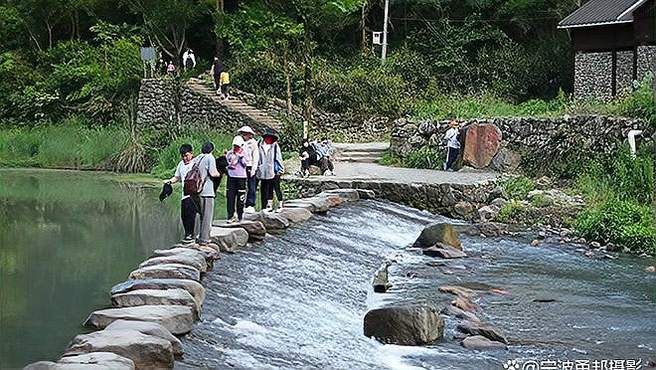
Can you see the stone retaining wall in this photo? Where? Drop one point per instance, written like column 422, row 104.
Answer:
column 157, row 104
column 532, row 139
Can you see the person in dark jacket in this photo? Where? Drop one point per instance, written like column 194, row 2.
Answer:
column 217, row 68
column 308, row 157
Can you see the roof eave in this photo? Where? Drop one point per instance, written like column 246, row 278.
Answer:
column 594, row 24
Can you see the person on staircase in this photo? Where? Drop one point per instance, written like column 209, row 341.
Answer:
column 251, row 147
column 217, row 68
column 237, row 159
column 224, row 80
column 452, row 139
column 270, row 170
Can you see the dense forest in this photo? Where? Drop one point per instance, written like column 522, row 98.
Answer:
column 62, row 57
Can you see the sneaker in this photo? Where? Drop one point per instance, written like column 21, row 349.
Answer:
column 250, row 209
column 326, row 173
column 188, row 239
column 233, row 220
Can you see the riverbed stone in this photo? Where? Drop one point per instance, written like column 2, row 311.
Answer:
column 332, row 199
column 457, row 290
column 87, row 361
column 149, row 328
column 207, row 255
column 154, row 297
column 193, row 287
column 295, row 215
column 166, row 271
column 486, row 330
column 146, row 351
column 464, row 304
column 479, row 342
column 366, row 194
column 176, row 319
column 488, row 213
column 380, row 282
column 197, row 262
column 300, row 204
column 482, row 142
column 273, row 222
column 454, row 311
column 229, row 239
column 349, row 195
column 255, row 229
column 410, row 325
column 438, row 233
column 444, row 251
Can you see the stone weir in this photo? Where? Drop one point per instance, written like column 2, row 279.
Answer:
column 164, row 296
column 460, row 199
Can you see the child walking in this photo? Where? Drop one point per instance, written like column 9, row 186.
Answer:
column 236, row 187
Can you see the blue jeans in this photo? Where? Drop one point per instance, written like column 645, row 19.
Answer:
column 251, row 195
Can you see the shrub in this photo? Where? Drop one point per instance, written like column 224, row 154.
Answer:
column 517, row 188
column 512, row 211
column 426, row 158
column 622, row 222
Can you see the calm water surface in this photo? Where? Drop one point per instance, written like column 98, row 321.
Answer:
column 65, row 239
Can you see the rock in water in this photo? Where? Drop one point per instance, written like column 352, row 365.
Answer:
column 438, row 233
column 444, row 251
column 149, row 328
column 381, row 276
column 154, row 297
column 198, row 262
column 488, row 331
column 410, row 325
column 193, row 287
column 457, row 290
column 146, row 351
column 482, row 143
column 479, row 342
column 176, row 319
column 168, row 271
column 229, row 240
column 255, row 229
column 89, row 361
column 273, row 222
column 209, row 257
column 349, row 195
column 295, row 215
column 366, row 194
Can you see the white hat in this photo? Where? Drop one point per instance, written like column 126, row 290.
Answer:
column 238, row 141
column 246, row 130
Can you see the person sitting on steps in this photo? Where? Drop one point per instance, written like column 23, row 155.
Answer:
column 324, row 152
column 308, row 157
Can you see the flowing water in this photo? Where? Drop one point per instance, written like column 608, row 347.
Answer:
column 297, row 301
column 65, row 238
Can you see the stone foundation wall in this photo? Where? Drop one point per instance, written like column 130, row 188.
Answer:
column 646, row 61
column 540, row 142
column 593, row 75
column 157, row 103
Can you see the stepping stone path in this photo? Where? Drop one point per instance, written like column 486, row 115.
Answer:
column 94, row 360
column 167, row 271
column 176, row 319
column 229, row 240
column 193, row 287
column 255, row 229
column 149, row 328
column 154, row 297
column 196, row 261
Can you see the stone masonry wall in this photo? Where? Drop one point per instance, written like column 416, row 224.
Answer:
column 646, row 61
column 157, row 102
column 593, row 75
column 624, row 71
column 539, row 141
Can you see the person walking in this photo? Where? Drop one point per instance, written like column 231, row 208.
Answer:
column 170, row 69
column 207, row 167
column 224, row 80
column 217, row 68
column 238, row 159
column 251, row 147
column 189, row 206
column 189, row 59
column 451, row 137
column 270, row 166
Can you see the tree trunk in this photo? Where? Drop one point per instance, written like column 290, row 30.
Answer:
column 364, row 47
column 307, row 79
column 288, row 80
column 49, row 27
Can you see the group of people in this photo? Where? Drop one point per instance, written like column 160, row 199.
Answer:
column 169, row 68
column 316, row 153
column 247, row 164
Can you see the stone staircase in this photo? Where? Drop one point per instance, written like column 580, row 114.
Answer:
column 361, row 153
column 235, row 104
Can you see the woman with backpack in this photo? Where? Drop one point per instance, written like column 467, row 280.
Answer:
column 269, row 170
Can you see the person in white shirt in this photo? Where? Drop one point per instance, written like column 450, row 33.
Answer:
column 452, row 145
column 252, row 149
column 189, row 59
column 189, row 207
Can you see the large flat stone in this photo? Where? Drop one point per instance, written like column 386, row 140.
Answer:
column 176, row 319
column 443, row 251
column 255, row 229
column 155, row 297
column 295, row 215
column 193, row 287
column 229, row 240
column 185, row 251
column 196, row 261
column 149, row 328
column 331, row 199
column 367, row 194
column 273, row 222
column 146, row 351
column 438, row 233
column 301, row 204
column 87, row 361
column 167, row 271
column 318, row 204
column 486, row 330
column 348, row 195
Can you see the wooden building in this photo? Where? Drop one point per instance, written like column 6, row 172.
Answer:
column 615, row 44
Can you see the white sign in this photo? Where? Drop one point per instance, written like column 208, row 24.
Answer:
column 377, row 38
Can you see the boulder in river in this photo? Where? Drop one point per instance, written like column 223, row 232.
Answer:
column 273, row 222
column 198, row 262
column 255, row 229
column 410, row 325
column 154, row 297
column 380, row 282
column 149, row 328
column 486, row 330
column 651, row 269
column 444, row 251
column 146, row 351
column 464, row 304
column 88, row 361
column 229, row 240
column 167, row 271
column 438, row 233
column 314, row 204
column 479, row 342
column 176, row 319
column 193, row 287
column 295, row 215
column 460, row 314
